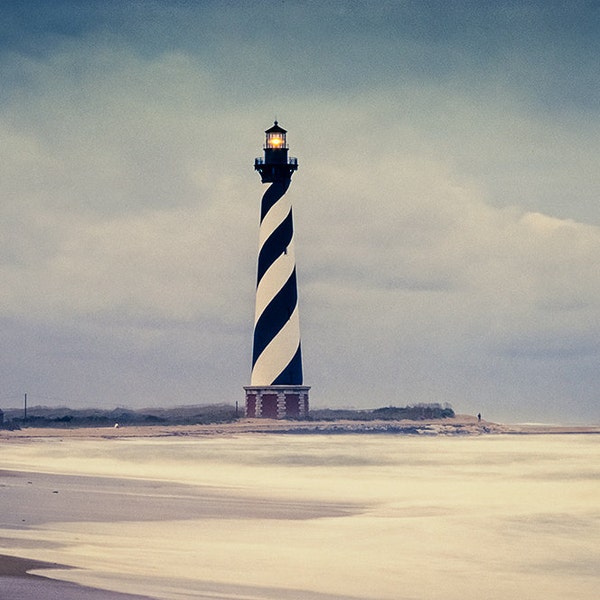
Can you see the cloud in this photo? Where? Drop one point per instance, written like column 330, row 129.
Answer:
column 446, row 218
column 420, row 283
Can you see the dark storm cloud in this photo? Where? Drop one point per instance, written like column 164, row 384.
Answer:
column 546, row 49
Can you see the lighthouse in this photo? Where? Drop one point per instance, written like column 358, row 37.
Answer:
column 276, row 389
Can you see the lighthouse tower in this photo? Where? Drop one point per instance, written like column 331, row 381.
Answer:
column 276, row 389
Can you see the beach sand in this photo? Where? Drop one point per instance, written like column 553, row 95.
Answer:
column 30, row 499
column 35, row 499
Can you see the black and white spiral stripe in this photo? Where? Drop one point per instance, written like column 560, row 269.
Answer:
column 276, row 355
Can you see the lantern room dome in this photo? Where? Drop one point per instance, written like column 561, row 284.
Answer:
column 276, row 129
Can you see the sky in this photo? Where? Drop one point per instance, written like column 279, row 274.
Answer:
column 447, row 223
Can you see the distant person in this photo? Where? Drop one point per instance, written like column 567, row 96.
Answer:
column 479, row 416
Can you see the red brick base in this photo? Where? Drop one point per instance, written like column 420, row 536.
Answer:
column 277, row 401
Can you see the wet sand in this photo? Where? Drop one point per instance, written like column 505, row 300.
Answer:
column 17, row 583
column 29, row 499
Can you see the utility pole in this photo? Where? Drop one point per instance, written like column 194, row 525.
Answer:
column 25, row 409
